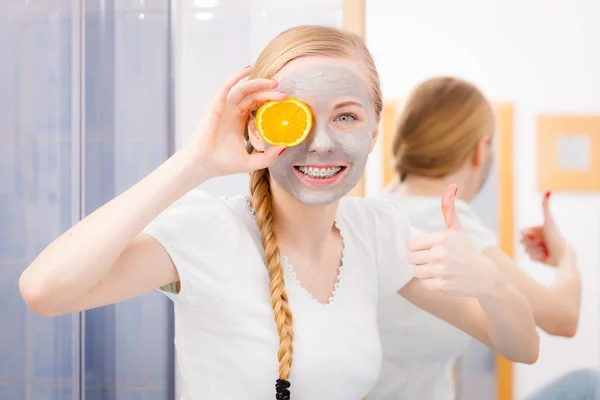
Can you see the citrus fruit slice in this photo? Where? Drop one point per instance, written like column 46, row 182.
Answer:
column 284, row 123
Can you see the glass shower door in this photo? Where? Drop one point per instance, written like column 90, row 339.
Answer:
column 85, row 112
column 39, row 192
column 128, row 346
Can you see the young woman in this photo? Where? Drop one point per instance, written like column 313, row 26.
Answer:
column 444, row 136
column 293, row 247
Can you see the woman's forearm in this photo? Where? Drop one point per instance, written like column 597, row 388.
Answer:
column 511, row 326
column 77, row 260
column 555, row 307
column 567, row 288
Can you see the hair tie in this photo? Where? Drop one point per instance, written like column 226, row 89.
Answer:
column 281, row 386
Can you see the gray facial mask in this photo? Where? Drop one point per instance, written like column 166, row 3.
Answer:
column 330, row 143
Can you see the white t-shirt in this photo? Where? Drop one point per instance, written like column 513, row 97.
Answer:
column 420, row 349
column 225, row 332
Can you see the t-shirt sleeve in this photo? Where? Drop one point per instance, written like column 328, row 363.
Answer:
column 193, row 231
column 426, row 215
column 393, row 229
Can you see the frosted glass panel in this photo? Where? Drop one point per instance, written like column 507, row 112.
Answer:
column 128, row 345
column 36, row 189
column 62, row 154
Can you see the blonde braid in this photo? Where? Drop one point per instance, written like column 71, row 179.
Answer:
column 261, row 203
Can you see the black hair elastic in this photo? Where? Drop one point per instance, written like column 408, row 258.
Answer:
column 282, row 386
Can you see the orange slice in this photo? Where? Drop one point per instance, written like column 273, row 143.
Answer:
column 284, row 123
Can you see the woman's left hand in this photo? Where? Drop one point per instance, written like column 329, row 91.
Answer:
column 545, row 243
column 447, row 262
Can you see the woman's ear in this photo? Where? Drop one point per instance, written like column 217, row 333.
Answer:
column 253, row 135
column 482, row 150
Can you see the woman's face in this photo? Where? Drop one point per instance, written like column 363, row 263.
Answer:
column 330, row 162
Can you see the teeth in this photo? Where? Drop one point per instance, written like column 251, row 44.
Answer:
column 320, row 172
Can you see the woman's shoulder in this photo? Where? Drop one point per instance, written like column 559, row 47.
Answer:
column 369, row 206
column 425, row 214
column 426, row 205
column 375, row 212
column 199, row 203
column 199, row 211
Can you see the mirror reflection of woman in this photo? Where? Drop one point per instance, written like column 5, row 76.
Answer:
column 276, row 291
column 444, row 136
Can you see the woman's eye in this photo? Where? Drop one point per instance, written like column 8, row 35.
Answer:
column 346, row 118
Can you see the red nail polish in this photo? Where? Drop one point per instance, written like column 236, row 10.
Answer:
column 530, row 236
column 545, row 249
column 547, row 195
column 282, row 150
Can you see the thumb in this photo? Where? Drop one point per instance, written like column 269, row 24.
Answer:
column 549, row 225
column 449, row 210
column 546, row 209
column 265, row 159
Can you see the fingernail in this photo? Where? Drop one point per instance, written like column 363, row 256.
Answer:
column 455, row 190
column 530, row 236
column 247, row 66
column 547, row 195
column 281, row 152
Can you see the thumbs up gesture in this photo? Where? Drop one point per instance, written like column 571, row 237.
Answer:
column 447, row 262
column 544, row 243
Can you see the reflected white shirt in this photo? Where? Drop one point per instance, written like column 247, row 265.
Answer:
column 419, row 349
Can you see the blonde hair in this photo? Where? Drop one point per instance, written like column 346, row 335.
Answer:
column 301, row 41
column 440, row 126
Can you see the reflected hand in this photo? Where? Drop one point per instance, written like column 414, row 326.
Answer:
column 217, row 146
column 545, row 243
column 448, row 262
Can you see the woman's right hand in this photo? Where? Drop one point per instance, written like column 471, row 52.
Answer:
column 217, row 146
column 545, row 243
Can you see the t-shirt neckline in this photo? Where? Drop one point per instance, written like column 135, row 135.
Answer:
column 334, row 293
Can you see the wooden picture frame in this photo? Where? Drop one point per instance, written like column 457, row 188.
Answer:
column 554, row 132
